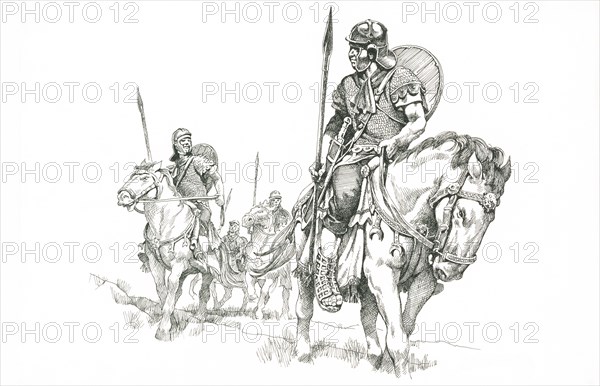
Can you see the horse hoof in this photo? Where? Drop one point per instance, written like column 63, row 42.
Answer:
column 303, row 351
column 163, row 335
column 375, row 360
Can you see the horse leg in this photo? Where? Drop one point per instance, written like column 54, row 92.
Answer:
column 265, row 289
column 250, row 284
column 420, row 291
column 368, row 318
column 193, row 284
column 158, row 273
column 285, row 296
column 204, row 294
column 173, row 284
column 225, row 298
column 214, row 295
column 245, row 300
column 383, row 283
column 304, row 313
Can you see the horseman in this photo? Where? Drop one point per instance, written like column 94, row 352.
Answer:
column 281, row 217
column 386, row 104
column 195, row 174
column 236, row 244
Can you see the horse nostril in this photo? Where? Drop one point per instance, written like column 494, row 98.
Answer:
column 440, row 274
column 124, row 198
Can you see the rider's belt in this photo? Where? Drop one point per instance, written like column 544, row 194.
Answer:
column 362, row 149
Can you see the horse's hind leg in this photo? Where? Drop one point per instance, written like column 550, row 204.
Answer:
column 368, row 317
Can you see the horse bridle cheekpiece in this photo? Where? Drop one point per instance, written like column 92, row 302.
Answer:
column 139, row 171
column 489, row 202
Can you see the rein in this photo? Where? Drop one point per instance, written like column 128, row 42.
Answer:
column 453, row 191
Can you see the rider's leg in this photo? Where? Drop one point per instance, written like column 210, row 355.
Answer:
column 346, row 185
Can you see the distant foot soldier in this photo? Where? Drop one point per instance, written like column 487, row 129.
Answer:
column 281, row 217
column 386, row 105
column 236, row 245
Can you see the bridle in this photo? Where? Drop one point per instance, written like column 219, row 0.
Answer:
column 136, row 198
column 454, row 191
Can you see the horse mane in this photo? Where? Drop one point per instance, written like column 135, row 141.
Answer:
column 169, row 178
column 495, row 170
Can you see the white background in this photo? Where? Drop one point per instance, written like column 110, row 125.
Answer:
column 552, row 201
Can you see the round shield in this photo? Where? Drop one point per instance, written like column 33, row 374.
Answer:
column 427, row 68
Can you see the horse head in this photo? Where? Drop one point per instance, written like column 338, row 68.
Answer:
column 259, row 217
column 464, row 207
column 145, row 179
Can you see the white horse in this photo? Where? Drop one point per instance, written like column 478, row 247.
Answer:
column 168, row 240
column 431, row 230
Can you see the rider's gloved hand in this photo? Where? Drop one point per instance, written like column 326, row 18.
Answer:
column 220, row 201
column 317, row 175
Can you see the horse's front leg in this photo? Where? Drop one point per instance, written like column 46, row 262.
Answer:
column 304, row 313
column 204, row 294
column 285, row 309
column 158, row 273
column 173, row 283
column 419, row 292
column 226, row 296
column 266, row 288
column 368, row 318
column 383, row 283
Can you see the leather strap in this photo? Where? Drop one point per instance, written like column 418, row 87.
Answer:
column 181, row 173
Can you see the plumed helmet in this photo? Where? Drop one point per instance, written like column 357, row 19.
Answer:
column 372, row 35
column 275, row 194
column 177, row 135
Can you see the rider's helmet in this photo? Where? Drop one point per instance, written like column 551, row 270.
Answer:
column 372, row 36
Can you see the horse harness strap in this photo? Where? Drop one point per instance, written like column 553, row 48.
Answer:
column 454, row 191
column 156, row 243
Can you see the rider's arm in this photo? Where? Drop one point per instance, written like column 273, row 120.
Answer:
column 216, row 177
column 414, row 128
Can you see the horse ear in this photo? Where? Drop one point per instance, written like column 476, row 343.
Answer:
column 475, row 168
column 156, row 166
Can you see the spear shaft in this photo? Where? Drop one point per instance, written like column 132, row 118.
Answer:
column 327, row 50
column 140, row 104
column 255, row 180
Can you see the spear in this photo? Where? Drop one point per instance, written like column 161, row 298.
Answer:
column 141, row 108
column 327, row 50
column 255, row 179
